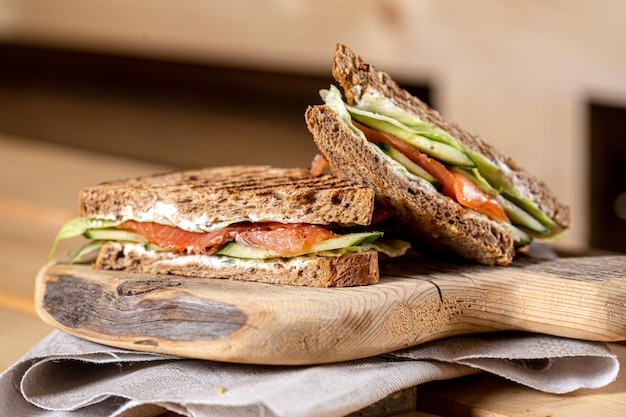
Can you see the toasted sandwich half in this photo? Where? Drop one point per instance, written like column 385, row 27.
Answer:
column 252, row 223
column 450, row 189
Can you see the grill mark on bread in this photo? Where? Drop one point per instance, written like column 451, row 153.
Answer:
column 224, row 193
column 319, row 183
column 314, row 183
column 290, row 184
column 261, row 188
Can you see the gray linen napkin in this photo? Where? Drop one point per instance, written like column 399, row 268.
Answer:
column 67, row 376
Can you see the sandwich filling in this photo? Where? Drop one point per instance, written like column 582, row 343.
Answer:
column 431, row 155
column 265, row 240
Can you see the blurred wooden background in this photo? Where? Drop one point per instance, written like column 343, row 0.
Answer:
column 210, row 83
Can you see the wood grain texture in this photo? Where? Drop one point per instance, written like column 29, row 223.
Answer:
column 414, row 302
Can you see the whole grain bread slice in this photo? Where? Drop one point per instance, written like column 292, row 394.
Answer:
column 195, row 200
column 433, row 220
column 313, row 271
column 357, row 77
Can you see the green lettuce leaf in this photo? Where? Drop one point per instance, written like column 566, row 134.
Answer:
column 77, row 227
column 333, row 99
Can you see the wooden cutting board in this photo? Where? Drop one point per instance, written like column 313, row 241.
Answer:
column 414, row 302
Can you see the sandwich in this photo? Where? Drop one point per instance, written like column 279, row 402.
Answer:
column 252, row 223
column 450, row 190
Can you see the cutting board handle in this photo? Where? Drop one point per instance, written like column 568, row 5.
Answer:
column 414, row 302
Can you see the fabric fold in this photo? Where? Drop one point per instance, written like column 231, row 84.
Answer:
column 67, row 376
column 547, row 363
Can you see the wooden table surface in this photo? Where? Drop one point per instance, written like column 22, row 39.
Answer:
column 39, row 183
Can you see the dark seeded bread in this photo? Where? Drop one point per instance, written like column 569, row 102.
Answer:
column 433, row 219
column 188, row 199
column 349, row 70
column 342, row 271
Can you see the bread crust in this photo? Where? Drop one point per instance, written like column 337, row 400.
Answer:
column 349, row 70
column 315, row 271
column 197, row 199
column 433, row 220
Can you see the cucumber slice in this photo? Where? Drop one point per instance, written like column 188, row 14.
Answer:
column 528, row 205
column 382, row 105
column 487, row 175
column 114, row 234
column 237, row 250
column 520, row 239
column 438, row 150
column 496, row 178
column 411, row 166
column 474, row 175
column 351, row 239
column 490, row 171
column 377, row 103
column 522, row 218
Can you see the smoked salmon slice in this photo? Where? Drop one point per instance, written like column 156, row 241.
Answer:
column 282, row 237
column 455, row 185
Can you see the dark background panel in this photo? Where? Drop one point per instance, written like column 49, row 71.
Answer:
column 183, row 114
column 608, row 177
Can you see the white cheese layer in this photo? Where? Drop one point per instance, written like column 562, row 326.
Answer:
column 213, row 261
